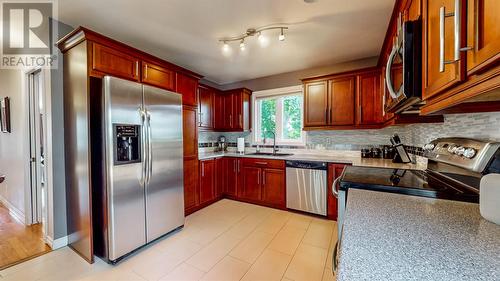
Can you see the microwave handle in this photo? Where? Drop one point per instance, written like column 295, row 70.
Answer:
column 388, row 79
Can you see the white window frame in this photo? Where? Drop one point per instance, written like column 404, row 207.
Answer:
column 274, row 93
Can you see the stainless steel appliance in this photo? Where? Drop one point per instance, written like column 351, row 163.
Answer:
column 455, row 168
column 403, row 72
column 222, row 144
column 306, row 186
column 141, row 194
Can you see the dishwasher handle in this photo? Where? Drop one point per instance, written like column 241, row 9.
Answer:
column 312, row 165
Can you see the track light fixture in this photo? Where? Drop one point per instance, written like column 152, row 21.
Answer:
column 252, row 32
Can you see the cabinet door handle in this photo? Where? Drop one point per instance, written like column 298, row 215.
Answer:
column 137, row 68
column 202, row 169
column 263, row 177
column 145, row 71
column 261, row 163
column 238, row 165
column 258, row 178
column 241, row 121
column 457, row 23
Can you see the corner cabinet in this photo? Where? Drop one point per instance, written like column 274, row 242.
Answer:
column 232, row 110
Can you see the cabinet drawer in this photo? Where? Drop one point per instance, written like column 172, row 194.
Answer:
column 116, row 63
column 264, row 163
column 158, row 76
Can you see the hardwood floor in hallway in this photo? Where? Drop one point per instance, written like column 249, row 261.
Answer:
column 17, row 241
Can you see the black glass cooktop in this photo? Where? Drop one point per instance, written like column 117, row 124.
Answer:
column 410, row 182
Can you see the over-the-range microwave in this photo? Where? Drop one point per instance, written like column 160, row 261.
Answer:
column 403, row 73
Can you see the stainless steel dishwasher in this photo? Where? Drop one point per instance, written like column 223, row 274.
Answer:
column 306, row 186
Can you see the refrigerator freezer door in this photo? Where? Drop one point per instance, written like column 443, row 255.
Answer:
column 126, row 204
column 165, row 187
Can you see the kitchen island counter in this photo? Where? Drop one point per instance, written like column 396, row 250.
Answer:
column 390, row 236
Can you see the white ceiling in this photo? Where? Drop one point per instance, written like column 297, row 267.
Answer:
column 186, row 32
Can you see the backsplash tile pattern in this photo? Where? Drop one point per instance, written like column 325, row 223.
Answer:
column 471, row 125
column 484, row 126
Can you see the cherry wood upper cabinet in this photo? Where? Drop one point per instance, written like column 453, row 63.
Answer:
column 207, row 180
column 369, row 99
column 440, row 73
column 219, row 108
column 273, row 187
column 342, row 97
column 158, row 76
column 111, row 61
column 483, row 34
column 316, row 104
column 237, row 110
column 190, row 131
column 188, row 87
column 205, row 107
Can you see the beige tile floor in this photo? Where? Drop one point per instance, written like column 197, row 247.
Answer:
column 228, row 240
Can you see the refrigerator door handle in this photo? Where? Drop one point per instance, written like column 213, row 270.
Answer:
column 150, row 148
column 143, row 146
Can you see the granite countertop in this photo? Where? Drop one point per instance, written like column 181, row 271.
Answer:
column 390, row 236
column 335, row 156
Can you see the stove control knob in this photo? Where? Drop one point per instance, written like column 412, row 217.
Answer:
column 452, row 148
column 429, row 146
column 469, row 153
column 460, row 151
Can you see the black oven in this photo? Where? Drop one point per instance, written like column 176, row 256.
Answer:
column 403, row 73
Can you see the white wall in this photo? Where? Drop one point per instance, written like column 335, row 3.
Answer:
column 12, row 145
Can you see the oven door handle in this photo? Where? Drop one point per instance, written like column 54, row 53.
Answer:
column 335, row 190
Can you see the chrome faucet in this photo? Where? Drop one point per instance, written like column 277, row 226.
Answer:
column 274, row 142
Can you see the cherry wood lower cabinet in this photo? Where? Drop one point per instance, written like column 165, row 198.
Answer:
column 232, row 168
column 207, row 180
column 273, row 187
column 263, row 182
column 191, row 191
column 219, row 178
column 334, row 171
column 251, row 183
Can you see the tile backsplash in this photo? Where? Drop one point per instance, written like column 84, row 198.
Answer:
column 473, row 125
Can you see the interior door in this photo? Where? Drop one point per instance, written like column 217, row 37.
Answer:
column 164, row 183
column 123, row 99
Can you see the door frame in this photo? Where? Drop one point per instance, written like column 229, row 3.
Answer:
column 48, row 219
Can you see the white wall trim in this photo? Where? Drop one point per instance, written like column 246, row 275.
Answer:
column 58, row 243
column 278, row 91
column 269, row 93
column 13, row 211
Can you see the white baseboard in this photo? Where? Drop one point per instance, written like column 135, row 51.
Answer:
column 13, row 211
column 58, row 243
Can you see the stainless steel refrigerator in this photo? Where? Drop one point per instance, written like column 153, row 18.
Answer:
column 142, row 194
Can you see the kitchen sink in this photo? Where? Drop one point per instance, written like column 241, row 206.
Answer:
column 270, row 154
